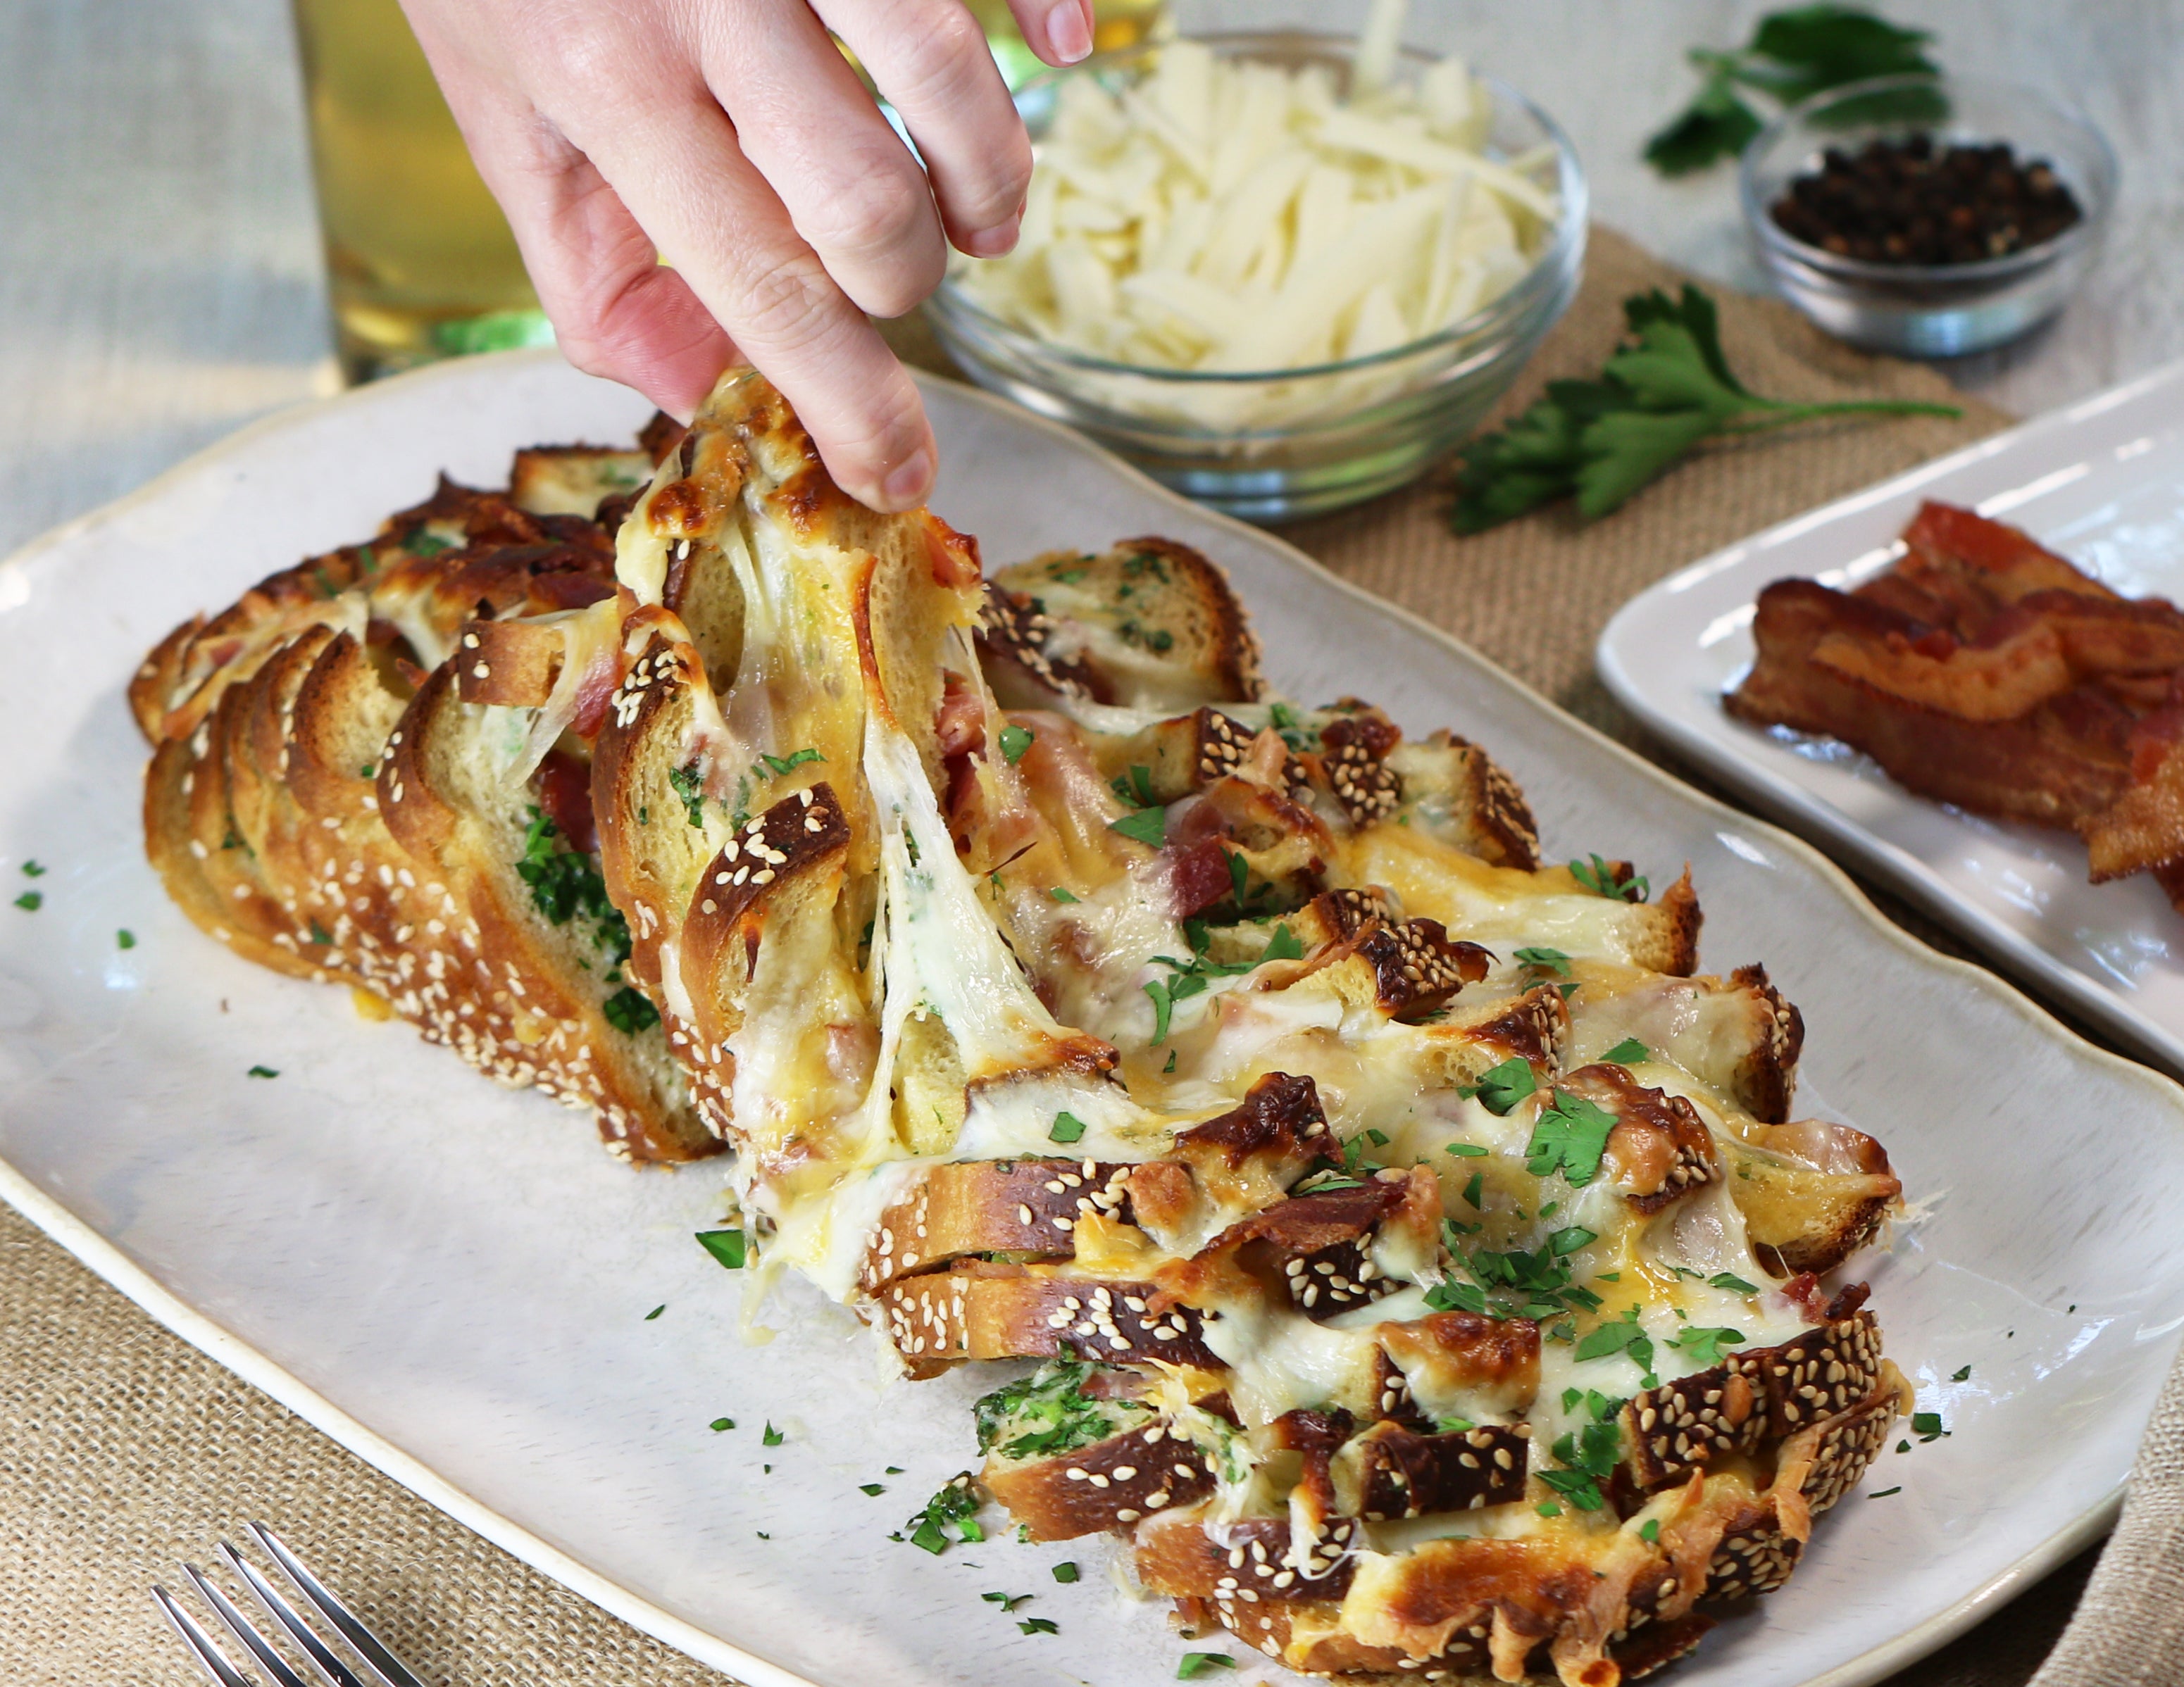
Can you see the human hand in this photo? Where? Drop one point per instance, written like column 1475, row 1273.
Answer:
column 730, row 138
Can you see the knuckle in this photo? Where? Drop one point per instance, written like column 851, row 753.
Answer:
column 785, row 304
column 866, row 213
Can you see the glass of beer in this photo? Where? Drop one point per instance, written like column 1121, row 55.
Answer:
column 420, row 262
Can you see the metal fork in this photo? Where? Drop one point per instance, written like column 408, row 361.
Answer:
column 382, row 1667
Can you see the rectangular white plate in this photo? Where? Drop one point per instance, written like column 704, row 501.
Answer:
column 2102, row 483
column 452, row 1280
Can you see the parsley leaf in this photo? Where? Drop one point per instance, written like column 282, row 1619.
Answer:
column 771, row 1437
column 1570, row 1135
column 1468, row 1151
column 1284, row 945
column 34, row 870
column 1063, row 894
column 1501, row 1088
column 1735, row 1285
column 1015, row 741
column 720, row 1424
column 629, row 1011
column 1007, row 1601
column 1627, row 1053
column 1620, row 1335
column 955, row 1506
column 125, row 938
column 1961, row 1376
column 261, row 1072
column 1703, row 1346
column 1148, row 825
column 1067, row 1128
column 1065, row 1572
column 1195, row 1664
column 729, row 1247
column 1037, row 1625
column 779, row 765
column 1659, row 394
column 1544, row 962
column 1163, row 1006
column 1793, row 54
column 1598, row 876
column 1565, row 1243
column 690, row 788
column 873, row 1489
column 1474, row 1191
column 655, row 1312
column 1927, row 1426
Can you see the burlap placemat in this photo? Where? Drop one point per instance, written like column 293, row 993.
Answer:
column 123, row 1450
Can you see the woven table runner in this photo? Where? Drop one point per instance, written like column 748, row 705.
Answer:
column 123, row 1450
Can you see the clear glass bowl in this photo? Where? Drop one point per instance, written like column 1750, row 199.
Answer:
column 1929, row 310
column 1323, row 436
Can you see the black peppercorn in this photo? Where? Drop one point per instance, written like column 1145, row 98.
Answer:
column 1909, row 200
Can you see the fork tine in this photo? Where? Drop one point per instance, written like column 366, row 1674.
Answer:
column 210, row 1658
column 258, row 1645
column 327, row 1662
column 380, row 1661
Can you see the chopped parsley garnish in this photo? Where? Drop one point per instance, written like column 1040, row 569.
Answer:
column 1650, row 1530
column 1015, row 741
column 1007, row 1601
column 629, row 1011
column 1548, row 1508
column 729, row 1247
column 1882, row 1494
column 1620, row 1335
column 1543, row 960
column 34, row 870
column 1627, row 1053
column 1927, row 1426
column 125, row 938
column 30, row 901
column 1067, row 1128
column 1195, row 1664
column 1063, row 894
column 1474, row 1191
column 720, row 1423
column 1290, row 724
column 1453, row 1426
column 770, row 1436
column 319, row 934
column 655, row 1312
column 1565, row 1243
column 1735, row 1284
column 690, row 790
column 1135, row 787
column 1049, row 1413
column 955, row 1506
column 1703, row 1346
column 1284, row 945
column 1037, row 1625
column 1590, row 1456
column 565, row 885
column 779, row 765
column 1065, row 1572
column 874, row 1488
column 261, row 1072
column 1570, row 1135
column 420, row 544
column 1147, row 825
column 1164, row 1002
column 1961, row 1376
column 1467, row 1150
column 1501, row 1088
column 1597, row 876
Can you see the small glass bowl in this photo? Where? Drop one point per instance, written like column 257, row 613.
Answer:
column 1328, row 434
column 1938, row 309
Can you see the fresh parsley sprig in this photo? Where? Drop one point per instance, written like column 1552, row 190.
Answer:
column 1663, row 391
column 1792, row 55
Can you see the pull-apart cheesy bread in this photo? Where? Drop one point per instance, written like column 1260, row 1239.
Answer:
column 1407, row 1253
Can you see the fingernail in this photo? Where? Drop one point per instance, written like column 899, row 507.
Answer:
column 1068, row 30
column 909, row 481
column 992, row 243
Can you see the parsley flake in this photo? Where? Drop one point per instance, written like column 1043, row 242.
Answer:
column 1067, row 1128
column 1284, row 945
column 1927, row 1426
column 1703, row 1346
column 1063, row 894
column 1065, row 1572
column 1007, row 1601
column 1961, row 1376
column 1037, row 1625
column 1650, row 1530
column 1884, row 1493
column 1598, row 875
column 1570, row 1135
column 720, row 1423
column 1015, row 741
column 771, row 1437
column 1467, row 1151
column 729, row 1247
column 655, row 1312
column 1735, row 1284
column 1501, row 1088
column 261, row 1071
column 125, row 938
column 629, row 1010
column 31, row 901
column 1543, row 960
column 1627, row 1053
column 1195, row 1664
column 34, row 870
column 874, row 1488
column 1147, row 825
column 779, row 765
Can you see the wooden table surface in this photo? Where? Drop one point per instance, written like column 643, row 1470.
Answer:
column 160, row 280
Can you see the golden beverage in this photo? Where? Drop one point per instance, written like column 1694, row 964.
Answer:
column 1116, row 24
column 418, row 259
